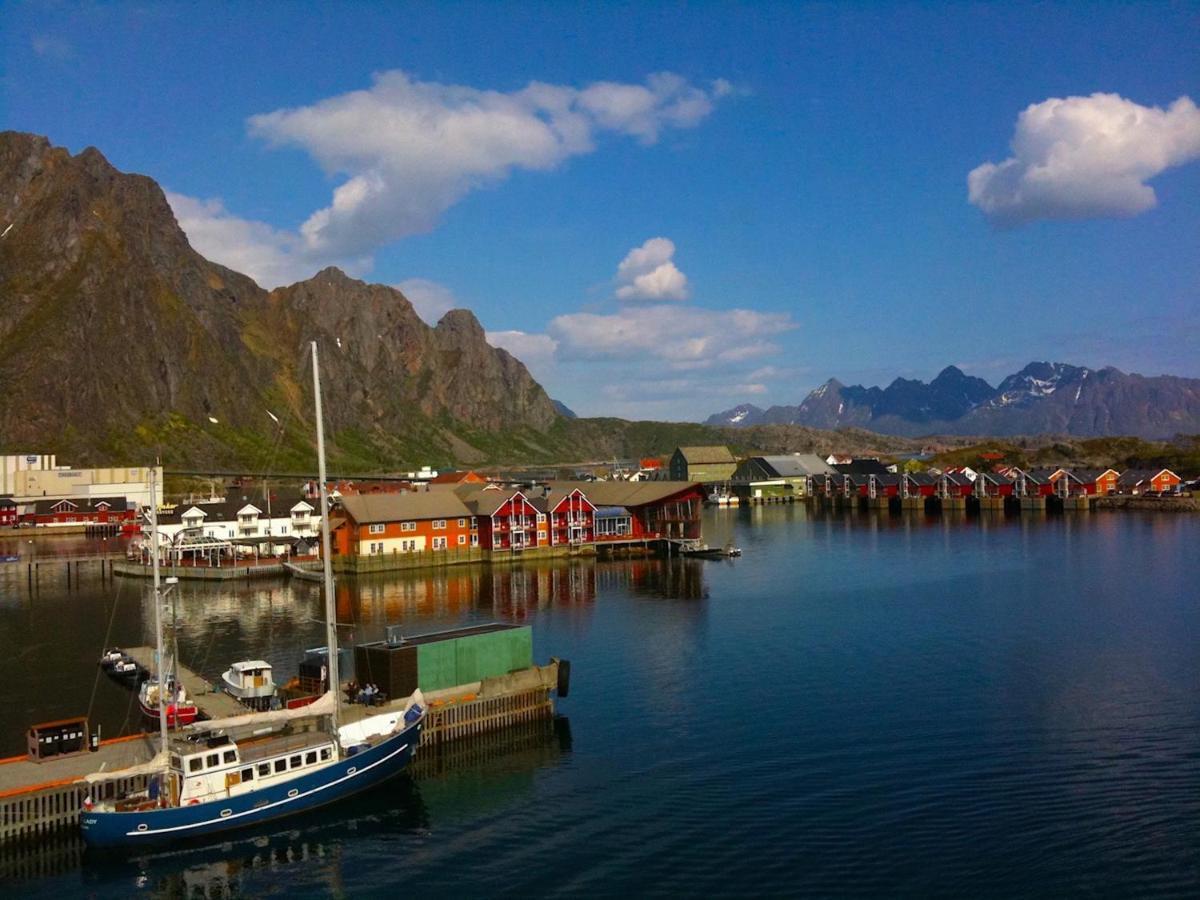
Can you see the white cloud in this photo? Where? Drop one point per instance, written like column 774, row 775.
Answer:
column 684, row 338
column 269, row 255
column 648, row 273
column 430, row 299
column 537, row 351
column 1085, row 157
column 411, row 149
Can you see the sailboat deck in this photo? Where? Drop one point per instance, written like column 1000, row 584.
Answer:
column 256, row 749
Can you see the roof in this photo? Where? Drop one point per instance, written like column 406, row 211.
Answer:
column 458, row 478
column 698, row 455
column 1087, row 475
column 920, row 478
column 1134, row 476
column 862, row 467
column 226, row 508
column 480, row 500
column 368, row 508
column 625, row 493
column 114, row 504
column 795, row 465
column 250, row 664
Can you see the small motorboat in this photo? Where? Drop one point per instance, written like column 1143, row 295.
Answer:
column 120, row 665
column 250, row 681
column 706, row 552
column 181, row 710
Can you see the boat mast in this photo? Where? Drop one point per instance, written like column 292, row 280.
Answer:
column 158, row 628
column 327, row 563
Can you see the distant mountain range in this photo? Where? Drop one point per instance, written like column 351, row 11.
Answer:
column 1043, row 398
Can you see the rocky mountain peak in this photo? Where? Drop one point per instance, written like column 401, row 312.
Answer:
column 94, row 258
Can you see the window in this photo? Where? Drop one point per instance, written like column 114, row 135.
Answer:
column 439, row 523
column 408, row 526
column 295, row 761
column 310, row 758
column 377, row 528
column 280, row 766
column 325, row 754
column 195, row 763
column 439, row 543
column 264, row 769
column 211, row 760
column 462, row 539
column 541, row 517
column 462, row 523
column 230, row 756
column 247, row 774
column 474, row 540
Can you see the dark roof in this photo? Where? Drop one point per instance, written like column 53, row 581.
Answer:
column 996, row 477
column 862, row 467
column 1089, row 475
column 46, row 507
column 957, row 478
column 226, row 509
column 921, row 478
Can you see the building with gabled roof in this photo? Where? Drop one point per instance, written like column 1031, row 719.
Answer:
column 1144, row 481
column 788, row 475
column 707, row 465
column 409, row 522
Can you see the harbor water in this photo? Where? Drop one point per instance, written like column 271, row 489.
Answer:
column 860, row 705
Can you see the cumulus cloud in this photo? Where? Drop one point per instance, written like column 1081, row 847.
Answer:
column 684, row 338
column 271, row 256
column 537, row 351
column 1085, row 157
column 648, row 273
column 410, row 149
column 430, row 299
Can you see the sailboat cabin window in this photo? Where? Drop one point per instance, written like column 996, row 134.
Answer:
column 264, row 769
column 280, row 766
column 195, row 764
column 325, row 754
column 295, row 762
column 211, row 760
column 247, row 774
column 230, row 756
column 310, row 758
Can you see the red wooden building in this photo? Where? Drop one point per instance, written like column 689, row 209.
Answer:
column 656, row 509
column 8, row 512
column 507, row 519
column 918, row 484
column 571, row 516
column 1097, row 481
column 97, row 510
column 955, row 484
column 993, row 484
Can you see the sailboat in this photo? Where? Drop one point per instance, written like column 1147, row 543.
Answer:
column 247, row 769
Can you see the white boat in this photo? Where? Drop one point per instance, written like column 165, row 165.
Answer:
column 249, row 679
column 248, row 769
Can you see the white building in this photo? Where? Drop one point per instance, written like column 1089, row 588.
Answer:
column 29, row 477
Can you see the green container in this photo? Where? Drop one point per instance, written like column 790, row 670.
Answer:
column 464, row 655
column 436, row 666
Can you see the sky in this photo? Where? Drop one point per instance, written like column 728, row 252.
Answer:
column 666, row 209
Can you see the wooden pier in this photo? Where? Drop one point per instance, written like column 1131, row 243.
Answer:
column 212, row 702
column 42, row 798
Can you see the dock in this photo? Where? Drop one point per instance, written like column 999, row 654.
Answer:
column 43, row 798
column 212, row 703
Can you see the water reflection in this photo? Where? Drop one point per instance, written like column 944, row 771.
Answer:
column 319, row 851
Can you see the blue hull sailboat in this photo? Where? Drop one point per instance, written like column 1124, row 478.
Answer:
column 247, row 769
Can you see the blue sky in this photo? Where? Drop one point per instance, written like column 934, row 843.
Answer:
column 789, row 202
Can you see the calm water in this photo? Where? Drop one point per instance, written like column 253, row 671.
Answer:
column 860, row 705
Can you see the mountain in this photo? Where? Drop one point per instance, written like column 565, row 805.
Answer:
column 563, row 410
column 1043, row 398
column 117, row 337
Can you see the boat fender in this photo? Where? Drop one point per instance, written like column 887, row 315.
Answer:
column 193, row 802
column 564, row 678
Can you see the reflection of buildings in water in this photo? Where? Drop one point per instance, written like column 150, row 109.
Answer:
column 200, row 607
column 677, row 578
column 507, row 591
